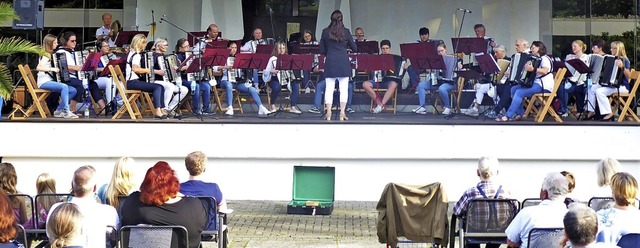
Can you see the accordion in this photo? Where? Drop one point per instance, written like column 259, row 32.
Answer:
column 59, row 60
column 520, row 76
column 146, row 61
column 167, row 63
column 195, row 76
column 605, row 71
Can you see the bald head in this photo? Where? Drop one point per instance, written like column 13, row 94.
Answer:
column 213, row 31
column 83, row 183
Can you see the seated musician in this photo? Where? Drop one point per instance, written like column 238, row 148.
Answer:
column 46, row 82
column 542, row 83
column 250, row 47
column 443, row 90
column 503, row 90
column 602, row 93
column 213, row 34
column 134, row 69
column 576, row 83
column 319, row 93
column 105, row 82
column 390, row 80
column 67, row 46
column 170, row 88
column 360, row 35
column 277, row 78
column 484, row 88
column 598, row 47
column 414, row 73
column 307, row 39
column 104, row 32
column 241, row 84
column 201, row 90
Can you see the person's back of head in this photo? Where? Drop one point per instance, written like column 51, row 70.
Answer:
column 555, row 185
column 624, row 189
column 83, row 183
column 606, row 168
column 7, row 219
column 64, row 225
column 160, row 185
column 46, row 184
column 580, row 225
column 121, row 180
column 8, row 178
column 571, row 180
column 487, row 168
column 196, row 163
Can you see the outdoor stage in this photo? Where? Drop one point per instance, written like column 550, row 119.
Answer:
column 252, row 158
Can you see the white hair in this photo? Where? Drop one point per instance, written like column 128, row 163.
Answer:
column 488, row 167
column 556, row 185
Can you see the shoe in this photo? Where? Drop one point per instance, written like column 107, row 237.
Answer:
column 611, row 118
column 198, row 112
column 68, row 115
column 208, row 112
column 57, row 113
column 349, row 111
column 177, row 113
column 327, row 115
column 421, row 111
column 295, row 110
column 343, row 117
column 263, row 111
column 160, row 117
column 472, row 112
column 447, row 111
column 378, row 109
column 416, row 109
column 229, row 111
column 273, row 108
column 491, row 114
column 314, row 110
column 165, row 112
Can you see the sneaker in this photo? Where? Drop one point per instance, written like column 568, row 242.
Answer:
column 208, row 112
column 263, row 111
column 229, row 111
column 197, row 112
column 314, row 110
column 491, row 114
column 472, row 112
column 446, row 111
column 421, row 111
column 378, row 109
column 295, row 110
column 416, row 109
column 273, row 108
column 350, row 111
column 57, row 113
column 68, row 115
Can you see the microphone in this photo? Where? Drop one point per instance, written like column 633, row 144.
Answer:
column 465, row 10
column 270, row 9
column 162, row 18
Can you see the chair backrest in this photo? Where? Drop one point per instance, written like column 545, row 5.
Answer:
column 545, row 237
column 528, row 202
column 118, row 79
column 28, row 77
column 153, row 236
column 21, row 235
column 212, row 211
column 631, row 240
column 25, row 209
column 47, row 199
column 490, row 215
column 635, row 81
column 597, row 203
column 121, row 200
column 558, row 79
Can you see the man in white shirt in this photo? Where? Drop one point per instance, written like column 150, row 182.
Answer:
column 96, row 216
column 581, row 227
column 549, row 214
column 105, row 29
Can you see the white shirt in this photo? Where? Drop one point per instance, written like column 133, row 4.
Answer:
column 613, row 223
column 271, row 65
column 71, row 60
column 548, row 214
column 105, row 31
column 577, row 77
column 96, row 219
column 546, row 81
column 134, row 61
column 44, row 77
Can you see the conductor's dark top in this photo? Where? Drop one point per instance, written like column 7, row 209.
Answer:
column 337, row 60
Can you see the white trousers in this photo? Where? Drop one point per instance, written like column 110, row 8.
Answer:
column 601, row 94
column 106, row 84
column 169, row 90
column 481, row 89
column 343, row 83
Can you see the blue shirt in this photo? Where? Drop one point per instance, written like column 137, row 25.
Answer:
column 200, row 188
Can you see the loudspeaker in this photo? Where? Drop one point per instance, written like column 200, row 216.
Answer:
column 31, row 13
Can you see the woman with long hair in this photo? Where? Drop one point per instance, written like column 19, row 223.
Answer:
column 46, row 81
column 8, row 227
column 334, row 42
column 65, row 226
column 121, row 183
column 602, row 93
column 45, row 184
column 8, row 182
column 134, row 69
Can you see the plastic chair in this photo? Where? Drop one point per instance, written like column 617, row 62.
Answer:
column 545, row 237
column 486, row 221
column 631, row 240
column 153, row 236
column 216, row 225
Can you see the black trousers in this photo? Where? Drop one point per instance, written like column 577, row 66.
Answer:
column 156, row 90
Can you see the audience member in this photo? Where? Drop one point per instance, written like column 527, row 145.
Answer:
column 45, row 184
column 487, row 188
column 159, row 203
column 97, row 216
column 65, row 227
column 571, row 180
column 8, row 229
column 548, row 214
column 624, row 216
column 580, row 228
column 121, row 183
column 8, row 182
column 606, row 168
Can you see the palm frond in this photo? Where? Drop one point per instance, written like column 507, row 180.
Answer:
column 11, row 45
column 7, row 13
column 5, row 82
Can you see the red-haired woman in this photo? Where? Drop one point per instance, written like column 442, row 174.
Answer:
column 8, row 223
column 159, row 203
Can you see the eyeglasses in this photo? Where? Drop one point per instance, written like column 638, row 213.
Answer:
column 72, row 40
column 440, row 51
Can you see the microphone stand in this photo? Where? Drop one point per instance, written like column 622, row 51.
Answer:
column 153, row 26
column 464, row 13
column 273, row 29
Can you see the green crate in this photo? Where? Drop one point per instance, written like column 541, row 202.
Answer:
column 313, row 186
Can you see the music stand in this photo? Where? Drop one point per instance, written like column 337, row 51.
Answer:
column 250, row 61
column 488, row 65
column 423, row 54
column 305, row 49
column 293, row 62
column 218, row 57
column 193, row 37
column 264, row 49
column 218, row 44
column 581, row 67
column 124, row 37
column 368, row 47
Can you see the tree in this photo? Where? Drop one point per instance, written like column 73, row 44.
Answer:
column 9, row 46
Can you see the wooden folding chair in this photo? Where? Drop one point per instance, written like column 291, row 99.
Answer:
column 623, row 101
column 219, row 98
column 39, row 97
column 545, row 100
column 455, row 94
column 394, row 99
column 129, row 97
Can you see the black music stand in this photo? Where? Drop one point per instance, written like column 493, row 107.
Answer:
column 368, row 47
column 293, row 62
column 581, row 68
column 487, row 65
column 124, row 37
column 248, row 62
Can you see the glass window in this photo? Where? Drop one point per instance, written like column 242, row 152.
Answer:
column 308, row 7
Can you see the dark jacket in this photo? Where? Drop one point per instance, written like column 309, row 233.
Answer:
column 337, row 60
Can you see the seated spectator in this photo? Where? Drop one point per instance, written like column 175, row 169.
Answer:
column 196, row 163
column 121, row 183
column 606, row 168
column 572, row 185
column 624, row 216
column 45, row 184
column 486, row 188
column 548, row 214
column 65, row 227
column 8, row 182
column 8, row 229
column 97, row 216
column 580, row 228
column 159, row 203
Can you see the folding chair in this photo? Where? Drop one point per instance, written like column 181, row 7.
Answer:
column 485, row 221
column 529, row 202
column 39, row 97
column 129, row 97
column 455, row 96
column 216, row 225
column 219, row 99
column 21, row 235
column 631, row 240
column 545, row 100
column 45, row 199
column 153, row 236
column 545, row 237
column 394, row 99
column 597, row 203
column 25, row 213
column 623, row 101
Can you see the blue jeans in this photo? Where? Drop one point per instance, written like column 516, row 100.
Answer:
column 275, row 90
column 203, row 87
column 518, row 93
column 414, row 76
column 228, row 89
column 251, row 90
column 1, row 105
column 295, row 91
column 321, row 86
column 66, row 92
column 579, row 91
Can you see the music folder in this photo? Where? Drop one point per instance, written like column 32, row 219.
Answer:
column 423, row 55
column 91, row 63
column 305, row 49
column 295, row 62
column 264, row 49
column 578, row 65
column 115, row 62
column 486, row 63
column 368, row 47
column 124, row 37
column 469, row 45
column 374, row 62
column 218, row 57
column 251, row 61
